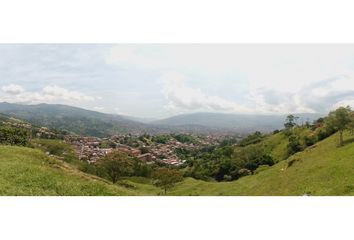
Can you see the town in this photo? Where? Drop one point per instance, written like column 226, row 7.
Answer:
column 149, row 149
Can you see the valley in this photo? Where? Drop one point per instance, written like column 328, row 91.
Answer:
column 299, row 159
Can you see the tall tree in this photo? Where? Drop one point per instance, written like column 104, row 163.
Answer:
column 340, row 120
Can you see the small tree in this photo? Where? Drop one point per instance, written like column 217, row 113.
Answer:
column 290, row 121
column 116, row 165
column 166, row 178
column 340, row 120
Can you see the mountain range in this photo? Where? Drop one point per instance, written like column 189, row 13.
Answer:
column 86, row 122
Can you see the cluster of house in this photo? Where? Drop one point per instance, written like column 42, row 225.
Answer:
column 90, row 149
column 44, row 132
column 18, row 125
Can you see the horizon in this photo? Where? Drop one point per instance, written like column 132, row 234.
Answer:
column 157, row 81
column 148, row 120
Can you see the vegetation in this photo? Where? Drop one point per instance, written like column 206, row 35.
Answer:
column 341, row 119
column 116, row 165
column 14, row 136
column 29, row 172
column 298, row 160
column 184, row 138
column 166, row 178
column 251, row 139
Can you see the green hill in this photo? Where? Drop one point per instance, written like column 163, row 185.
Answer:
column 72, row 119
column 28, row 172
column 321, row 170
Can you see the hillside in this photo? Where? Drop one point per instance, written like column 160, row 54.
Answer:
column 236, row 122
column 321, row 170
column 29, row 172
column 85, row 122
column 72, row 119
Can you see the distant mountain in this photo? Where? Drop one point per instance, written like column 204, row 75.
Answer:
column 236, row 122
column 90, row 123
column 73, row 119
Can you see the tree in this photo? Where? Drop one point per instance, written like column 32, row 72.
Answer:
column 294, row 145
column 116, row 165
column 340, row 120
column 166, row 178
column 290, row 121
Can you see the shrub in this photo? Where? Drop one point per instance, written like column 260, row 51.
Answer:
column 14, row 136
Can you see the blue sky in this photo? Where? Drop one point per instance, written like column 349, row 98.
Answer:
column 160, row 80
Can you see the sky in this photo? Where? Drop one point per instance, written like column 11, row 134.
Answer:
column 162, row 80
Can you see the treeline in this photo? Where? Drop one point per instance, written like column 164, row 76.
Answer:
column 301, row 137
column 224, row 163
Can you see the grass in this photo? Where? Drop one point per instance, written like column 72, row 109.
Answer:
column 29, row 172
column 277, row 145
column 321, row 170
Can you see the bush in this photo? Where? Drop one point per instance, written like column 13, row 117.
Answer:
column 14, row 136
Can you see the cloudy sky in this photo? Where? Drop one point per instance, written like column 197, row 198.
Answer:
column 160, row 80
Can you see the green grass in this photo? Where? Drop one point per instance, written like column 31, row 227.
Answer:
column 58, row 148
column 321, row 170
column 277, row 145
column 28, row 172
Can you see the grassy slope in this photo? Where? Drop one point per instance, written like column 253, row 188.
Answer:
column 321, row 170
column 25, row 171
column 277, row 145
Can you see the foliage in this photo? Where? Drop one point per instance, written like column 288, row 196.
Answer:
column 14, row 136
column 294, row 145
column 60, row 149
column 116, row 165
column 229, row 141
column 251, row 139
column 163, row 139
column 340, row 119
column 184, row 138
column 290, row 121
column 166, row 178
column 226, row 163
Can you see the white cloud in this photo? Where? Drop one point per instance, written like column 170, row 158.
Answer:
column 279, row 66
column 13, row 89
column 56, row 92
column 183, row 98
column 49, row 94
column 280, row 78
column 321, row 96
column 99, row 109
